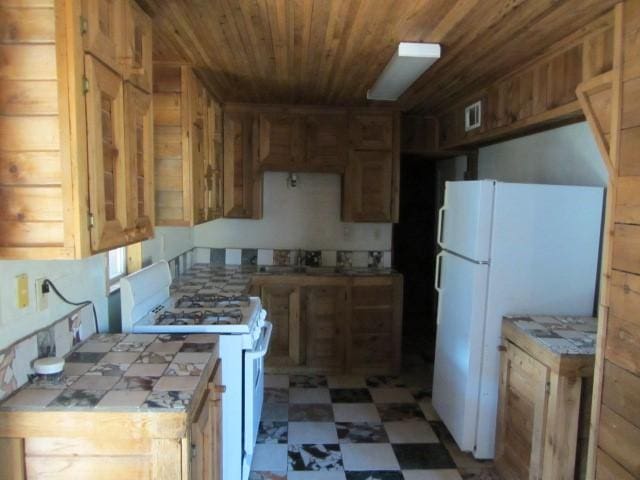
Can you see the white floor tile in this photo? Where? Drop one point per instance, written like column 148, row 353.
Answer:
column 391, row 395
column 431, row 475
column 309, row 395
column 346, row 381
column 269, row 457
column 276, row 381
column 355, row 412
column 312, row 432
column 368, row 456
column 428, row 411
column 411, row 431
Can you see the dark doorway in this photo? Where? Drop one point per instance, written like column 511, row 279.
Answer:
column 414, row 251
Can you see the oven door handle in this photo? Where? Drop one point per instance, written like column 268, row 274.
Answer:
column 263, row 346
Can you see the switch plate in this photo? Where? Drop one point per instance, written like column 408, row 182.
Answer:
column 22, row 290
column 42, row 299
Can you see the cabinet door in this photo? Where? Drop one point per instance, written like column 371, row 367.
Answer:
column 103, row 32
column 522, row 413
column 283, row 304
column 107, row 163
column 139, row 155
column 280, row 141
column 242, row 189
column 135, row 53
column 367, row 187
column 371, row 131
column 324, row 324
column 326, row 142
column 206, row 432
column 375, row 326
column 213, row 162
column 197, row 98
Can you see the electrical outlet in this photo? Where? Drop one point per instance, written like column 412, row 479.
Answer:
column 42, row 298
column 22, row 290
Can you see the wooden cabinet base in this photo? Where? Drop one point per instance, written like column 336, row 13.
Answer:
column 153, row 445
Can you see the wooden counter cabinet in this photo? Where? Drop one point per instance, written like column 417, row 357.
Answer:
column 543, row 411
column 333, row 324
column 106, row 445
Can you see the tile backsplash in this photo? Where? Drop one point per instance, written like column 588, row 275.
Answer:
column 310, row 258
column 54, row 340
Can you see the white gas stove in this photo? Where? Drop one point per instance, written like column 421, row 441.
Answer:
column 202, row 306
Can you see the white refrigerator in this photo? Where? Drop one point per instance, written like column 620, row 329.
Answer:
column 507, row 248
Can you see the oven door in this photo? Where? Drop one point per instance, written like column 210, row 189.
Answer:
column 254, row 386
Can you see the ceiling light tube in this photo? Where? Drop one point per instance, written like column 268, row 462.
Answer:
column 409, row 61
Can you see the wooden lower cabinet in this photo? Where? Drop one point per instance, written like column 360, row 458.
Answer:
column 283, row 304
column 324, row 314
column 333, row 324
column 107, row 445
column 543, row 409
column 376, row 324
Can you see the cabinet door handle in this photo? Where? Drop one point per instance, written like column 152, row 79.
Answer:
column 502, row 348
column 194, row 450
column 217, row 388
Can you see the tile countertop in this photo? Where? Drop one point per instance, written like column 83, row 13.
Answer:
column 236, row 279
column 120, row 372
column 560, row 335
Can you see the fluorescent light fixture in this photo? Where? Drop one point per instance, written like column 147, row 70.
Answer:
column 408, row 62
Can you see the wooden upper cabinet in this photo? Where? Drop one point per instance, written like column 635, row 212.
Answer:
column 281, row 140
column 106, row 155
column 368, row 186
column 298, row 140
column 139, row 153
column 371, row 131
column 135, row 47
column 184, row 148
column 242, row 186
column 326, row 141
column 73, row 183
column 102, row 27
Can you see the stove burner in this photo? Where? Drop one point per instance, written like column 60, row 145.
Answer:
column 200, row 300
column 201, row 317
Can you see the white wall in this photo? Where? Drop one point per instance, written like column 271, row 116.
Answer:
column 168, row 243
column 77, row 280
column 566, row 156
column 307, row 216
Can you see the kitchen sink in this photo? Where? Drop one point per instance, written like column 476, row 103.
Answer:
column 290, row 269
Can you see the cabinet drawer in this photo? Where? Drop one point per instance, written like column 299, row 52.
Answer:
column 371, row 320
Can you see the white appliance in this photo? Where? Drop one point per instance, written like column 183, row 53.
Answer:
column 506, row 249
column 147, row 307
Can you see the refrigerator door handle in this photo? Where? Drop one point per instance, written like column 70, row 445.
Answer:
column 437, row 278
column 440, row 220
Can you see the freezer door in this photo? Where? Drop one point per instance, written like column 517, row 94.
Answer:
column 461, row 310
column 464, row 223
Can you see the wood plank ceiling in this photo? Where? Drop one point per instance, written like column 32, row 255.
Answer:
column 329, row 52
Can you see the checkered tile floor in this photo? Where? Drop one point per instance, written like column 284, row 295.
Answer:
column 355, row 428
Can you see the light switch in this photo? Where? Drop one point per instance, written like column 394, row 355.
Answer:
column 22, row 289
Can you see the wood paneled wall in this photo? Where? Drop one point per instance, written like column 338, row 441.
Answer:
column 611, row 102
column 540, row 93
column 31, row 173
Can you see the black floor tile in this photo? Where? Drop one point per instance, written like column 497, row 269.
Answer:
column 350, row 395
column 310, row 412
column 361, row 432
column 375, row 475
column 422, row 456
column 315, row 457
column 393, row 412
